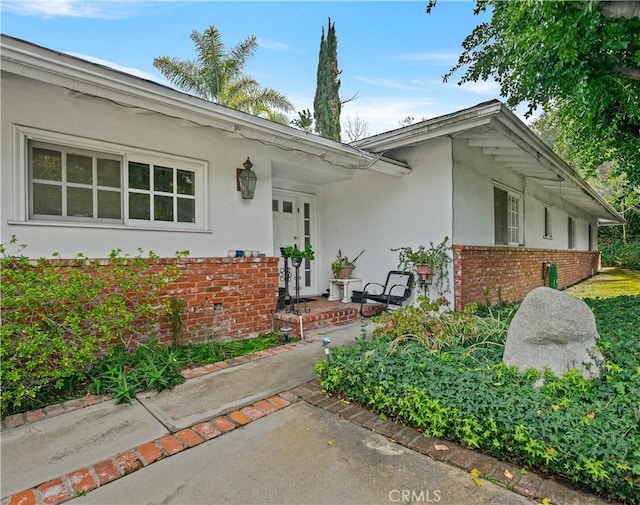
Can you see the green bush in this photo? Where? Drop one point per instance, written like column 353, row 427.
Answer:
column 619, row 254
column 585, row 430
column 57, row 318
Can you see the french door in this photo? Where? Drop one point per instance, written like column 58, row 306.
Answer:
column 294, row 223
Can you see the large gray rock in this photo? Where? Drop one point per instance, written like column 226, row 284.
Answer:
column 553, row 330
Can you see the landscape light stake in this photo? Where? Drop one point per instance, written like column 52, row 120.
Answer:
column 327, row 351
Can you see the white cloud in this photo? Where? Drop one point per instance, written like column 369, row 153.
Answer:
column 384, row 113
column 388, row 83
column 481, row 87
column 101, row 9
column 128, row 70
column 448, row 59
column 273, row 44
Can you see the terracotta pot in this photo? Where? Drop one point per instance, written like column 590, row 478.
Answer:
column 424, row 269
column 344, row 273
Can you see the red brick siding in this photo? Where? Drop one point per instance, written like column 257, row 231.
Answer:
column 247, row 288
column 509, row 273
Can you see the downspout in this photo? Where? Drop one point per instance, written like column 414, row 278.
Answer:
column 452, row 280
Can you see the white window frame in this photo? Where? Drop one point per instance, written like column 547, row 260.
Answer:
column 517, row 196
column 547, row 224
column 571, row 232
column 23, row 136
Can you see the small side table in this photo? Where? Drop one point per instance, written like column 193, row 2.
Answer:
column 343, row 288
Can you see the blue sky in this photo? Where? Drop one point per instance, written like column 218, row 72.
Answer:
column 392, row 54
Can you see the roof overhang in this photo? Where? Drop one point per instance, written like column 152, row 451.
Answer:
column 84, row 79
column 501, row 135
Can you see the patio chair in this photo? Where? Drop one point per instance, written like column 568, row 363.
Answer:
column 395, row 291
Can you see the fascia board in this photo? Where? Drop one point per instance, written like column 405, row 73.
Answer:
column 450, row 124
column 93, row 79
column 509, row 124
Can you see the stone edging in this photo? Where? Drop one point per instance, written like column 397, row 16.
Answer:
column 514, row 478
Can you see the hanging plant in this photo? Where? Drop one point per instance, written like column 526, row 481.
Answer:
column 437, row 257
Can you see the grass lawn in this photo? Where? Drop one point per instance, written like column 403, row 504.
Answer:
column 610, row 282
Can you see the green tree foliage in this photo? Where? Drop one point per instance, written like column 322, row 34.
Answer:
column 326, row 103
column 580, row 61
column 218, row 75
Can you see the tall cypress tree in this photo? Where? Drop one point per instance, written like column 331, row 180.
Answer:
column 326, row 104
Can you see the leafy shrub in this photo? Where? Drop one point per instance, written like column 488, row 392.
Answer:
column 431, row 324
column 122, row 374
column 56, row 318
column 619, row 254
column 585, row 430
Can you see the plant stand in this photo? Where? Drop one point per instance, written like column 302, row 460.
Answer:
column 294, row 305
column 342, row 289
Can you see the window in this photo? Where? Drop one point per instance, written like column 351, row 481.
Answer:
column 74, row 184
column 547, row 222
column 571, row 226
column 507, row 207
column 91, row 184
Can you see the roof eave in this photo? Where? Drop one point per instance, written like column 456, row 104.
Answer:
column 79, row 75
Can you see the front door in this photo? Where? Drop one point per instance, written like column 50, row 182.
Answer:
column 294, row 223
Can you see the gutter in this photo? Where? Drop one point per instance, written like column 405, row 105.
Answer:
column 92, row 79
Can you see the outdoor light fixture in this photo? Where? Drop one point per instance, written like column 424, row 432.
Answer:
column 246, row 180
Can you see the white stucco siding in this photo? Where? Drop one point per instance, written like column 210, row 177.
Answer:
column 474, row 179
column 231, row 223
column 377, row 212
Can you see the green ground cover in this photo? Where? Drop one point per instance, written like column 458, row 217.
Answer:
column 451, row 384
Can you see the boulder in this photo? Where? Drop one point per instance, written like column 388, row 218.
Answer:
column 553, row 330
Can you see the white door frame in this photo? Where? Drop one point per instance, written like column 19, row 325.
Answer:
column 305, row 217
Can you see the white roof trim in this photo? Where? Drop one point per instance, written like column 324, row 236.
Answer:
column 87, row 78
column 499, row 133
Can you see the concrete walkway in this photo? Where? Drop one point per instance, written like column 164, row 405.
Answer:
column 257, row 432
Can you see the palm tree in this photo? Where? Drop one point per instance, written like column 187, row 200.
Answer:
column 217, row 75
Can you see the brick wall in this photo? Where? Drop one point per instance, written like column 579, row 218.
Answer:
column 231, row 298
column 509, row 273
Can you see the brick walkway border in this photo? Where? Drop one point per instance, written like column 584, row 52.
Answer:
column 514, row 478
column 32, row 416
column 83, row 480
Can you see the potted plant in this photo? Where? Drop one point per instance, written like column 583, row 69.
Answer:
column 297, row 255
column 342, row 266
column 429, row 263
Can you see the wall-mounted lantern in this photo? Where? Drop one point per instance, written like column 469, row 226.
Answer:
column 246, row 180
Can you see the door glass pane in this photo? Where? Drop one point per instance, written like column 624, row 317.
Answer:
column 47, row 164
column 79, row 202
column 186, row 182
column 287, row 207
column 163, row 208
column 307, row 211
column 138, row 175
column 109, row 204
column 109, row 173
column 79, row 169
column 186, row 210
column 163, row 179
column 139, row 206
column 47, row 199
column 275, row 205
